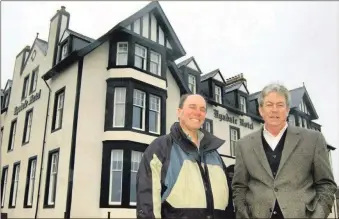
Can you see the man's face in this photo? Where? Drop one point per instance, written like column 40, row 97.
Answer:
column 274, row 110
column 193, row 113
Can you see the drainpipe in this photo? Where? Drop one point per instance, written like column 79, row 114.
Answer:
column 43, row 150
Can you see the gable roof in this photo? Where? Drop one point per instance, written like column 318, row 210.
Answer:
column 8, row 84
column 187, row 62
column 155, row 7
column 71, row 32
column 43, row 45
column 235, row 86
column 297, row 95
column 212, row 74
column 177, row 76
column 254, row 96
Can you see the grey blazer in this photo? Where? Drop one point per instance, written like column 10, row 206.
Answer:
column 304, row 185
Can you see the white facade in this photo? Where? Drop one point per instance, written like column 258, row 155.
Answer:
column 70, row 154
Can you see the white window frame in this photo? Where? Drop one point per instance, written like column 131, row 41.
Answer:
column 143, row 107
column 208, row 126
column 120, row 157
column 135, row 158
column 3, row 195
column 218, row 95
column 158, row 111
column 243, row 104
column 234, row 133
column 64, row 51
column 140, row 56
column 53, row 176
column 152, row 54
column 291, row 120
column 15, row 185
column 119, row 59
column 28, row 126
column 26, row 87
column 35, row 79
column 13, row 135
column 121, row 102
column 31, row 184
column 192, row 84
column 59, row 110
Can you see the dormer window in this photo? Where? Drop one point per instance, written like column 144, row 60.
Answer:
column 242, row 104
column 140, row 57
column 122, row 53
column 291, row 120
column 217, row 91
column 192, row 83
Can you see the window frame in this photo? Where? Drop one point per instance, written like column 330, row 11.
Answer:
column 56, row 110
column 158, row 114
column 194, row 85
column 143, row 108
column 47, row 199
column 152, row 52
column 232, row 141
column 216, row 99
column 145, row 59
column 4, row 182
column 121, row 52
column 11, row 140
column 14, row 185
column 124, row 89
column 25, row 88
column 242, row 104
column 111, row 185
column 34, row 80
column 30, row 182
column 28, row 122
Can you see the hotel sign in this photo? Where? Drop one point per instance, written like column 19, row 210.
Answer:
column 232, row 119
column 27, row 102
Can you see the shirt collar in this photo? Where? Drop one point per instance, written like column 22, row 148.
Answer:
column 200, row 136
column 279, row 134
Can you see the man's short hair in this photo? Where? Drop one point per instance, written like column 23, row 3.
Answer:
column 184, row 97
column 275, row 87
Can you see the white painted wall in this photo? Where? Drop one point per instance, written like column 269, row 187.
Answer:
column 172, row 101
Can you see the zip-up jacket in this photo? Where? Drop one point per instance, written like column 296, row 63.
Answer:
column 178, row 180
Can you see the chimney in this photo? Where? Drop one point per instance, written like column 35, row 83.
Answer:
column 236, row 78
column 58, row 24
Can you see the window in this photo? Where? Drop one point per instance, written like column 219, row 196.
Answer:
column 52, row 175
column 34, row 80
column 12, row 136
column 154, row 114
column 138, row 110
column 135, row 161
column 25, row 88
column 218, row 94
column 115, row 186
column 192, row 83
column 30, row 181
column 119, row 107
column 291, row 120
column 208, row 126
column 122, row 53
column 64, row 51
column 140, row 57
column 28, row 126
column 155, row 63
column 119, row 167
column 234, row 136
column 2, row 134
column 58, row 109
column 242, row 104
column 15, row 184
column 3, row 185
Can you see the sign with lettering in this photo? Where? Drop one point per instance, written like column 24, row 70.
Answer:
column 232, row 119
column 24, row 105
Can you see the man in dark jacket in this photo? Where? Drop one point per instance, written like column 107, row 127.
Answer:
column 181, row 175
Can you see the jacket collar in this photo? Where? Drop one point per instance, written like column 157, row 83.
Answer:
column 209, row 142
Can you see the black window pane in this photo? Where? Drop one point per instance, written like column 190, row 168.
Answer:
column 116, row 186
column 137, row 117
column 153, row 121
column 133, row 197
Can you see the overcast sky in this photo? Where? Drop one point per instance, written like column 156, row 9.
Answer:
column 290, row 42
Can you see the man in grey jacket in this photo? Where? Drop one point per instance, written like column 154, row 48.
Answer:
column 282, row 171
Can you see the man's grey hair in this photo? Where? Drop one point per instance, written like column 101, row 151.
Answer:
column 184, row 97
column 275, row 87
